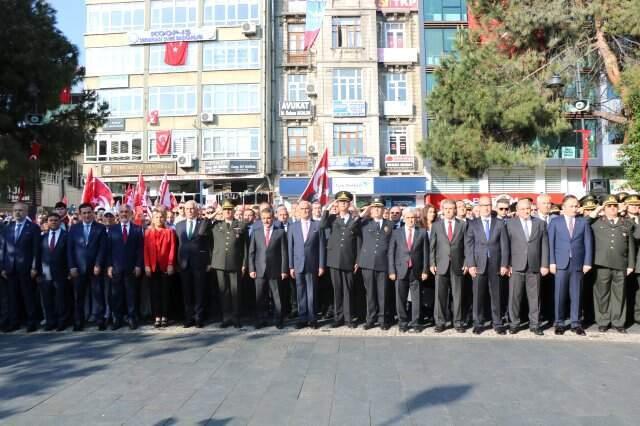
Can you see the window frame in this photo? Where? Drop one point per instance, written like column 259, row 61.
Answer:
column 134, row 92
column 430, row 8
column 108, row 139
column 177, row 89
column 394, row 82
column 231, row 141
column 130, row 59
column 352, row 31
column 388, row 29
column 397, row 132
column 251, row 100
column 250, row 47
column 101, row 10
column 157, row 51
column 297, row 88
column 211, row 7
column 347, row 84
column 178, row 136
column 446, row 36
column 174, row 6
column 340, row 130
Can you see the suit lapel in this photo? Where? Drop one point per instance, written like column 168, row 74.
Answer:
column 456, row 230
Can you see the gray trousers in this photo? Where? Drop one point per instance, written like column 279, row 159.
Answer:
column 519, row 284
column 444, row 283
column 609, row 297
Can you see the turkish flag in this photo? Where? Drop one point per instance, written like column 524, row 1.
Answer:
column 164, row 195
column 586, row 134
column 65, row 95
column 34, row 152
column 154, row 117
column 175, row 53
column 96, row 192
column 163, row 142
column 318, row 187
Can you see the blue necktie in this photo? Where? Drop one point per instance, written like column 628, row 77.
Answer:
column 87, row 229
column 486, row 229
column 18, row 231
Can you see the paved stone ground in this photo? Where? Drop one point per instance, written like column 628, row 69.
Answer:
column 323, row 377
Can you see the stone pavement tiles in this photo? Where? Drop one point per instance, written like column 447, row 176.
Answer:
column 213, row 377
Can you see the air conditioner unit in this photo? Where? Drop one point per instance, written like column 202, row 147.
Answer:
column 207, row 117
column 582, row 105
column 249, row 29
column 311, row 149
column 311, row 90
column 185, row 161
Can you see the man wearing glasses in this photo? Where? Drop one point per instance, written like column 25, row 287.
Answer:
column 395, row 214
column 502, row 208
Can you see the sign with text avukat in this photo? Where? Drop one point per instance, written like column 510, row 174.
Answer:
column 172, row 35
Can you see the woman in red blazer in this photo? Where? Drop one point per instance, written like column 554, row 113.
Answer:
column 159, row 258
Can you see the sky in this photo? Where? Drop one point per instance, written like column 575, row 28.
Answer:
column 71, row 21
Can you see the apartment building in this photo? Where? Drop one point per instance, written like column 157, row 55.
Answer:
column 202, row 119
column 356, row 92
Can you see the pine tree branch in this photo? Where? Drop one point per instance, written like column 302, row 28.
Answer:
column 609, row 116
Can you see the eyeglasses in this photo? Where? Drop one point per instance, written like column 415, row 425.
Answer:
column 503, row 208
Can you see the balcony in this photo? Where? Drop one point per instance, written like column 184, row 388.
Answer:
column 298, row 164
column 398, row 56
column 297, row 59
column 295, row 7
column 398, row 109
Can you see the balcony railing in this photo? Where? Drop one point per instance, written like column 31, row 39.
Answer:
column 398, row 56
column 297, row 58
column 398, row 108
column 296, row 7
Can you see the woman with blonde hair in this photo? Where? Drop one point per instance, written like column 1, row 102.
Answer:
column 159, row 261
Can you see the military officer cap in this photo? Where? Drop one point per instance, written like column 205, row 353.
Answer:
column 622, row 196
column 344, row 196
column 632, row 200
column 228, row 205
column 109, row 213
column 589, row 203
column 377, row 202
column 609, row 200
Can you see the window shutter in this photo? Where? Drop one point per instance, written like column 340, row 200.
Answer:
column 444, row 184
column 552, row 180
column 512, row 181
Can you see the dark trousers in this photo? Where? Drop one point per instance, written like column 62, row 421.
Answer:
column 568, row 287
column 342, row 291
column 306, row 284
column 444, row 283
column 489, row 281
column 636, row 310
column 193, row 292
column 293, row 294
column 404, row 286
column 375, row 284
column 4, row 302
column 263, row 287
column 229, row 295
column 428, row 297
column 22, row 284
column 124, row 291
column 106, row 290
column 160, row 292
column 53, row 299
column 80, row 286
column 519, row 284
column 609, row 297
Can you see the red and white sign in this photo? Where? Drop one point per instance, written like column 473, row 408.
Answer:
column 397, row 162
column 397, row 4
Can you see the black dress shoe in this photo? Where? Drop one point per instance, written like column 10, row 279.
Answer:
column 559, row 331
column 537, row 331
column 61, row 327
column 300, row 325
column 620, row 330
column 603, row 328
column 353, row 325
column 579, row 331
column 460, row 329
column 513, row 330
column 78, row 327
column 199, row 324
column 189, row 324
column 477, row 330
column 260, row 324
column 225, row 324
column 279, row 325
column 293, row 315
column 368, row 326
column 438, row 328
column 403, row 328
column 49, row 327
column 102, row 326
column 31, row 328
column 500, row 331
column 314, row 325
column 116, row 325
column 337, row 324
column 385, row 327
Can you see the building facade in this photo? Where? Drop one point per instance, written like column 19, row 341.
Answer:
column 355, row 92
column 204, row 121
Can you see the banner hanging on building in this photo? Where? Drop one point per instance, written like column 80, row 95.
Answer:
column 313, row 21
column 163, row 142
column 175, row 53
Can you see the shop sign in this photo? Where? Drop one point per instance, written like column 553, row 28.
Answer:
column 350, row 163
column 399, row 162
column 133, row 169
column 169, row 35
column 217, row 167
column 354, row 185
column 349, row 108
column 295, row 109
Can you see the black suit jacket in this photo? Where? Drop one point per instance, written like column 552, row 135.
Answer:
column 445, row 254
column 18, row 257
column 84, row 255
column 400, row 253
column 272, row 260
column 124, row 257
column 52, row 265
column 486, row 255
column 194, row 252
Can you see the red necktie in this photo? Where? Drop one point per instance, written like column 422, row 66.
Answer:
column 125, row 234
column 267, row 235
column 52, row 242
column 409, row 245
column 450, row 231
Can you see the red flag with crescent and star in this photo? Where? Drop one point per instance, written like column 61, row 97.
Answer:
column 318, row 187
column 163, row 142
column 175, row 53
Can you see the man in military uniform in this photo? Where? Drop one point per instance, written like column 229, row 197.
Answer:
column 228, row 260
column 588, row 205
column 633, row 214
column 372, row 261
column 615, row 258
column 342, row 246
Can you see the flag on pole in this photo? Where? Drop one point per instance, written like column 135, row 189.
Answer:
column 164, row 195
column 96, row 192
column 318, row 187
column 21, row 186
column 586, row 138
column 313, row 21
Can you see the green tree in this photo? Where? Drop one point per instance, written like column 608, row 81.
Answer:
column 492, row 103
column 37, row 63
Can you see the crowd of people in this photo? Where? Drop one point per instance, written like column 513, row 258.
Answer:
column 464, row 265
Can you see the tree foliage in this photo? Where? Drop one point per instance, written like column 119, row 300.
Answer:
column 491, row 102
column 37, row 63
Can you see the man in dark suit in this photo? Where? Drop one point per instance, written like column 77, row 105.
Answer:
column 447, row 264
column 53, row 273
column 408, row 259
column 4, row 296
column 86, row 256
column 528, row 259
column 229, row 259
column 306, row 245
column 125, row 245
column 342, row 247
column 192, row 259
column 373, row 261
column 570, row 257
column 284, row 221
column 268, row 265
column 19, row 253
column 485, row 243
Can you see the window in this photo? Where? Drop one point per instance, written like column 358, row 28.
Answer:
column 348, row 139
column 397, row 137
column 503, row 181
column 393, row 35
column 297, row 87
column 231, row 143
column 347, row 84
column 297, row 137
column 182, row 142
column 231, row 98
column 431, row 82
column 229, row 55
column 173, row 13
column 396, row 86
column 173, row 100
column 115, row 18
column 439, row 42
column 123, row 102
column 445, row 10
column 115, row 60
column 114, row 147
column 443, row 183
column 231, row 13
column 157, row 64
column 346, row 32
column 295, row 38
